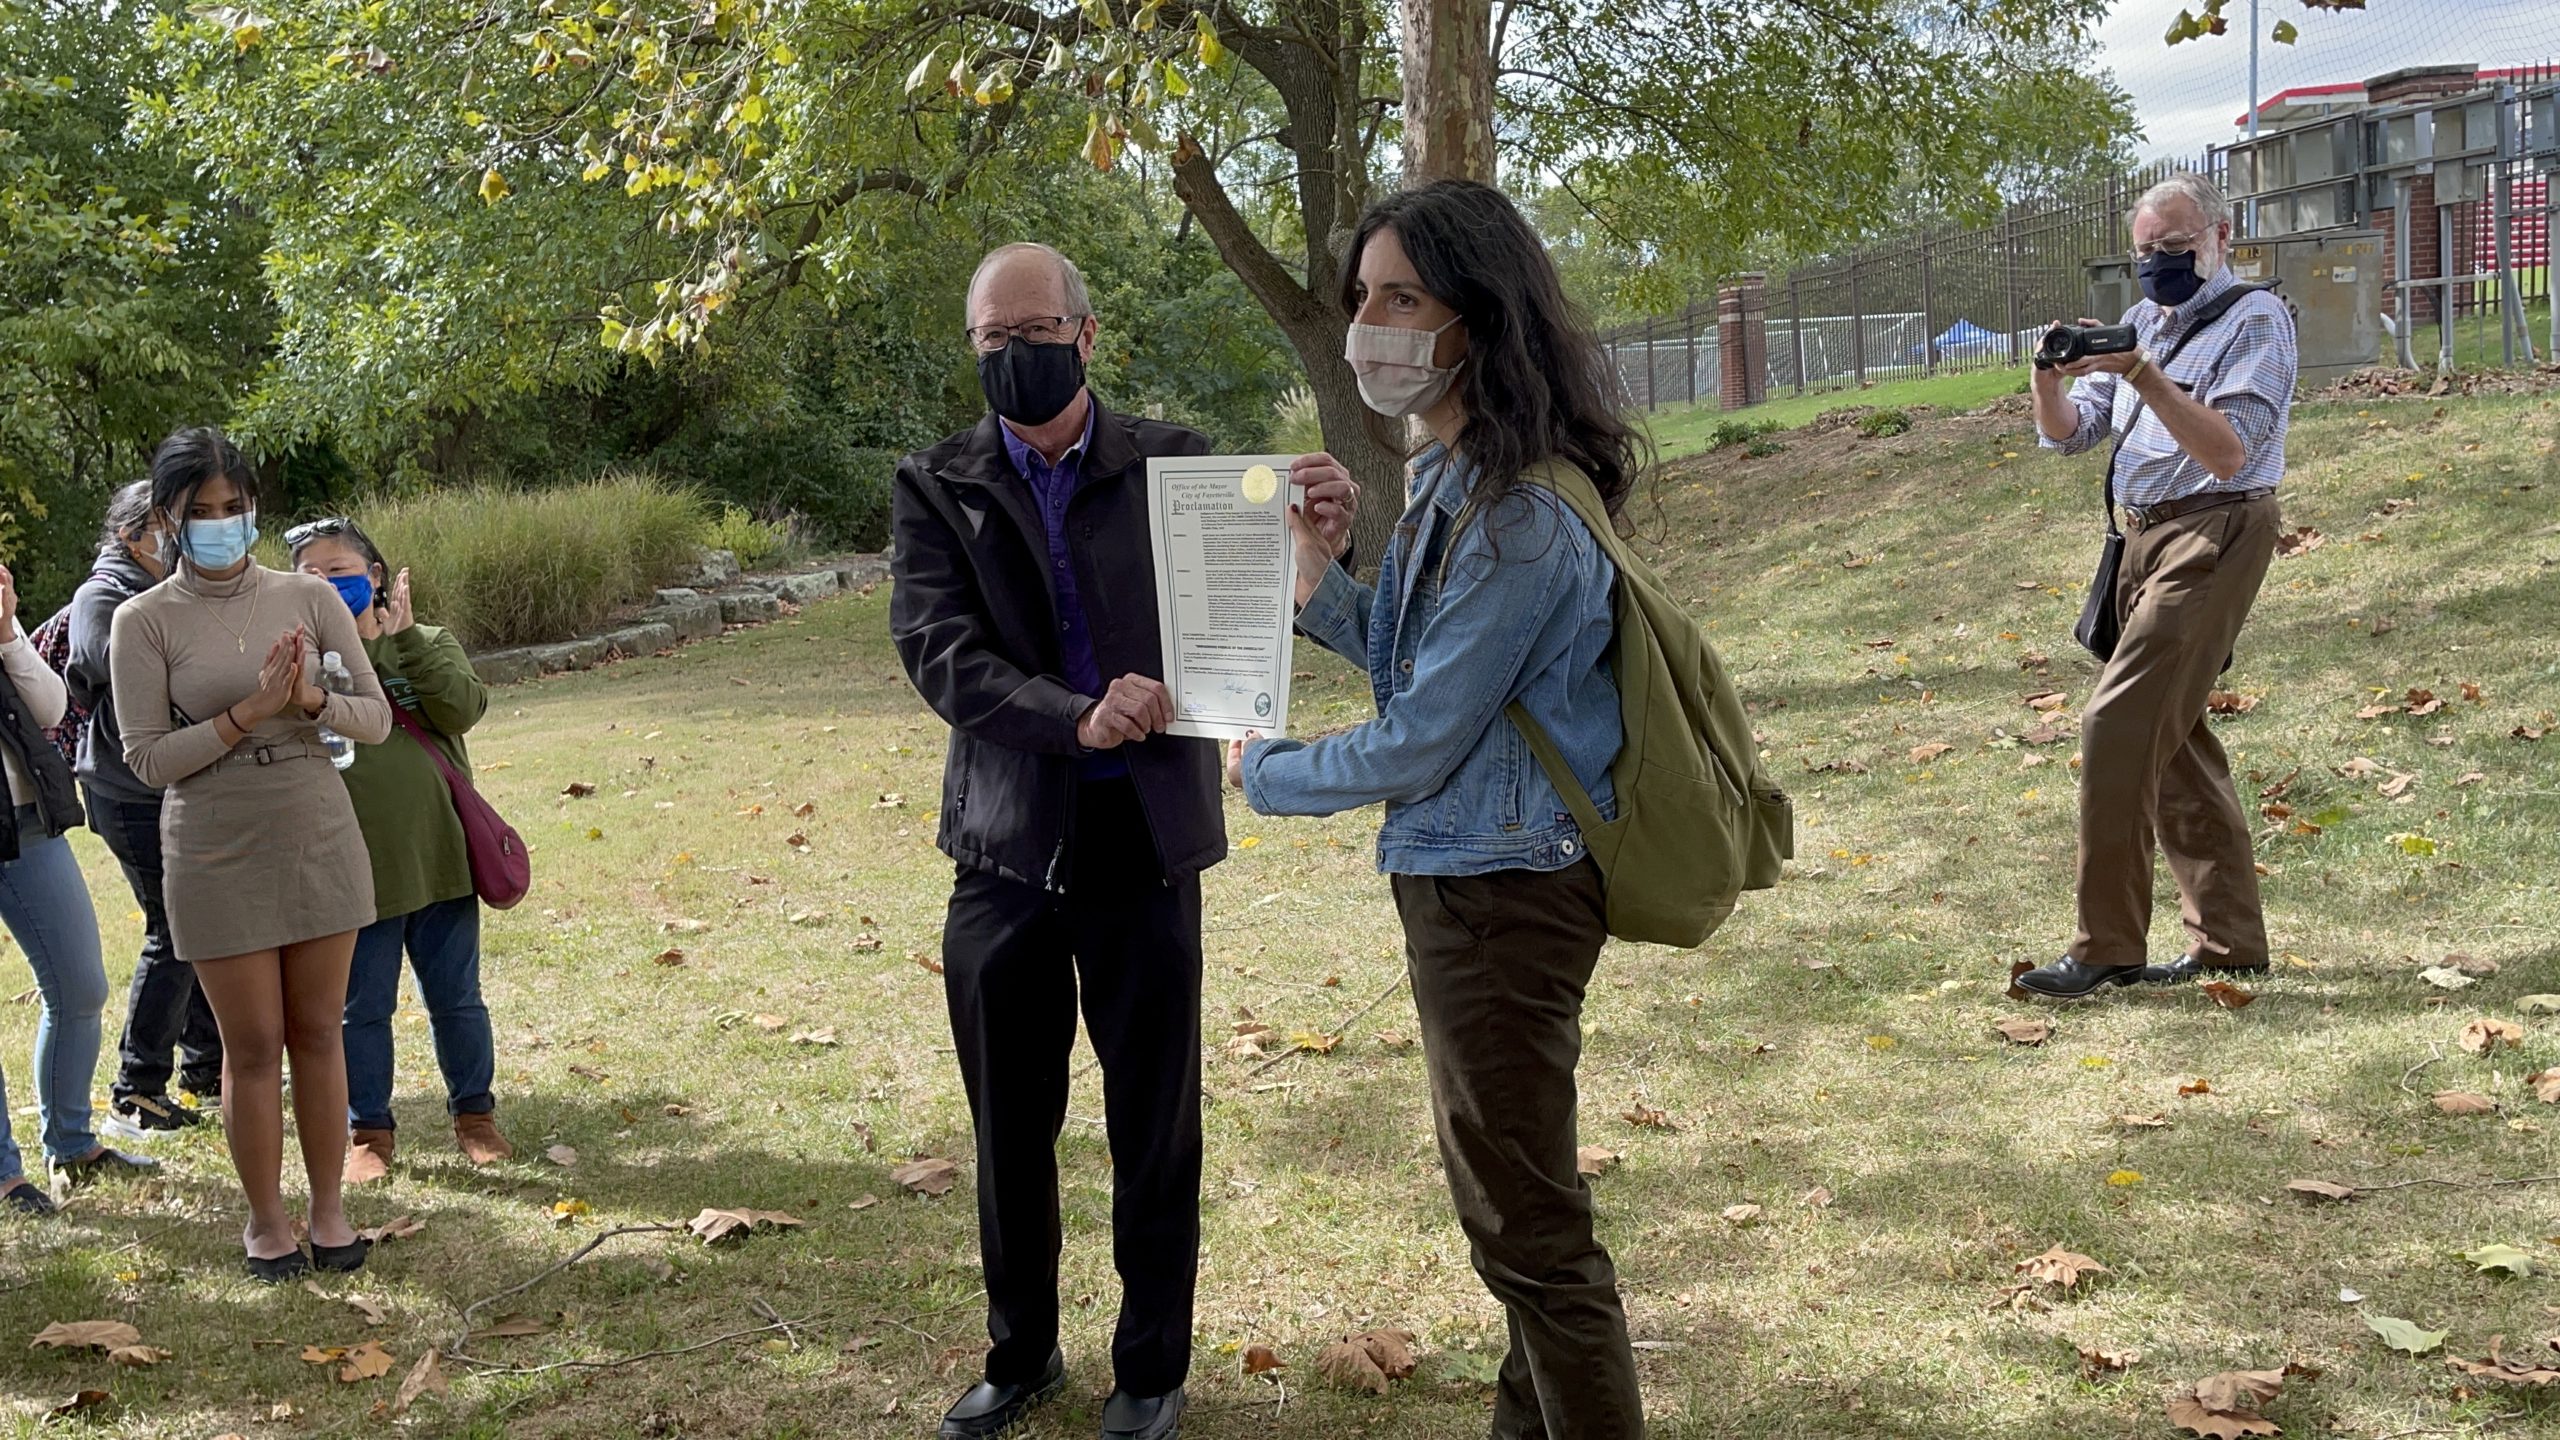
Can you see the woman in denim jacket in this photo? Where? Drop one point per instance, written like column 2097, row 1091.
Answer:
column 1491, row 591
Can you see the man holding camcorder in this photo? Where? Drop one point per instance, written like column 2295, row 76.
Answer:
column 2196, row 386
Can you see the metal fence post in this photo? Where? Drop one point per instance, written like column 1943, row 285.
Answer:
column 1928, row 307
column 1692, row 328
column 1795, row 305
column 1857, row 323
column 2009, row 280
column 1652, row 382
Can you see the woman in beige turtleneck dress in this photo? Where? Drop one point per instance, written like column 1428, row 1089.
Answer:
column 216, row 692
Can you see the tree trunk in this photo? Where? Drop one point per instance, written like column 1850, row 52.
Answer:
column 1448, row 91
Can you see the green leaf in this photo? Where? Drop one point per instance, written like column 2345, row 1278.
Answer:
column 2414, row 844
column 2404, row 1336
column 2501, row 1257
column 2284, row 33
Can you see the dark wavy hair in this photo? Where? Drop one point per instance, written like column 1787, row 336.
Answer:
column 128, row 515
column 347, row 532
column 1535, row 384
column 182, row 465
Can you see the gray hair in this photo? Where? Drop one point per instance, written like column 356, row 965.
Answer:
column 2192, row 188
column 1070, row 279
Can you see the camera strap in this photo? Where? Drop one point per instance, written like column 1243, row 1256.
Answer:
column 2212, row 310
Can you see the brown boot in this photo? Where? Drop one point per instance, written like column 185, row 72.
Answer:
column 368, row 1157
column 480, row 1141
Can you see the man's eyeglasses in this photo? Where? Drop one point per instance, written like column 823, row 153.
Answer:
column 1038, row 330
column 310, row 530
column 2166, row 245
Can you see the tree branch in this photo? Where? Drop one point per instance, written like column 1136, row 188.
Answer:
column 1195, row 180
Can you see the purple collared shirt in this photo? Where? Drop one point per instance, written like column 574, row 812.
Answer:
column 1053, row 486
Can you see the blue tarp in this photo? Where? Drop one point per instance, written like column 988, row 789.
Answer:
column 1962, row 339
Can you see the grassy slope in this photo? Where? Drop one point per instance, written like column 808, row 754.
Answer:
column 1879, row 1078
column 1680, row 431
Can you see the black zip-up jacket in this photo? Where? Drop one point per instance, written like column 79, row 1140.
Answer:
column 57, row 804
column 976, row 624
column 113, row 579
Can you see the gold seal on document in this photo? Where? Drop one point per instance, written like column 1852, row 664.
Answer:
column 1260, row 484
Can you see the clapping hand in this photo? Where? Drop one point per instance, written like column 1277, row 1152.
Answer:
column 8, row 603
column 279, row 678
column 398, row 613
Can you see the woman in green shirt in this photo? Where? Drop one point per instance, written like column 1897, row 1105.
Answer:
column 421, row 863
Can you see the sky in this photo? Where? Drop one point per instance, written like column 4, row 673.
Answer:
column 2186, row 96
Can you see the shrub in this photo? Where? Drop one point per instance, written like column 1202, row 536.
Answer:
column 1762, row 445
column 1296, row 427
column 755, row 542
column 518, row 567
column 1738, row 432
column 1884, row 422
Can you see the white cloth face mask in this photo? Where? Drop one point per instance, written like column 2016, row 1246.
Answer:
column 1393, row 366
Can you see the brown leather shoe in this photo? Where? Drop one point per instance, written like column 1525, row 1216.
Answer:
column 480, row 1141
column 368, row 1157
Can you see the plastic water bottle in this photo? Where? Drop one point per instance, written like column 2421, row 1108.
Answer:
column 334, row 677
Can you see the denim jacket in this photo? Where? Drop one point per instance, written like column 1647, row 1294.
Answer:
column 1519, row 610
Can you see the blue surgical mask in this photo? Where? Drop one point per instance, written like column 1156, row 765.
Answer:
column 356, row 590
column 221, row 544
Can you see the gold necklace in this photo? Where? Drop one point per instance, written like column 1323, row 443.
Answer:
column 241, row 635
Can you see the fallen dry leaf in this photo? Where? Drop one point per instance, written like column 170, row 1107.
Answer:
column 2546, row 1085
column 928, row 1175
column 2060, row 1267
column 2097, row 1364
column 1817, row 1198
column 1740, row 1215
column 371, row 1309
column 2463, row 1102
column 2143, row 1122
column 2016, row 969
column 562, row 1155
column 1367, row 1361
column 2021, row 1297
column 2227, row 995
column 2025, row 1030
column 86, row 1335
column 578, row 790
column 400, row 1229
column 2422, row 702
column 1923, row 754
column 2227, row 702
column 590, row 1074
column 136, row 1357
column 1262, row 1360
column 770, row 1024
column 424, row 1378
column 2225, row 1406
column 2503, row 1369
column 2046, row 701
column 669, row 958
column 1592, row 1160
column 368, row 1361
column 715, row 1225
column 2199, row 1086
column 84, row 1400
column 2318, row 1191
column 2299, row 542
column 1644, row 1116
column 822, row 1038
column 2484, row 1035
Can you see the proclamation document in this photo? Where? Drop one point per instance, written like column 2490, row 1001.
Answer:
column 1224, row 576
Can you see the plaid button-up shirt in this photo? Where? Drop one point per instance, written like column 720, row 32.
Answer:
column 2244, row 367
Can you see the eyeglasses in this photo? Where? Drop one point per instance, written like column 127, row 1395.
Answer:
column 2166, row 245
column 1038, row 330
column 310, row 530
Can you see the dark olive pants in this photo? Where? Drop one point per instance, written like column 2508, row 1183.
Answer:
column 1500, row 963
column 2153, row 777
column 1016, row 962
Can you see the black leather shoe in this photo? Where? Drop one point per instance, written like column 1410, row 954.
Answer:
column 2068, row 979
column 991, row 1409
column 2196, row 967
column 1127, row 1417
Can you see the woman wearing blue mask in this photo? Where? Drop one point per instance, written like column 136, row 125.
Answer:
column 1492, row 593
column 421, row 862
column 267, row 880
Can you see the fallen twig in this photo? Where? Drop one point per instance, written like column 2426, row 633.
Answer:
column 1335, row 1034
column 769, row 1313
column 2406, row 1076
column 2460, row 1184
column 462, row 1336
column 491, row 1367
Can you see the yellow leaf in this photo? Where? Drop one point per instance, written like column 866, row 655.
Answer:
column 1881, row 1042
column 1209, row 49
column 2122, row 1178
column 494, row 186
column 1248, row 842
column 247, row 36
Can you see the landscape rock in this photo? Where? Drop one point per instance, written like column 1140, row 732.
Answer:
column 748, row 607
column 569, row 655
column 693, row 617
column 718, row 568
column 800, row 589
column 855, row 572
column 506, row 667
column 647, row 638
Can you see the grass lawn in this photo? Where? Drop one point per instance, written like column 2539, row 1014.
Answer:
column 1684, row 430
column 1874, row 596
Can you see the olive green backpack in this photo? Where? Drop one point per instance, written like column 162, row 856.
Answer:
column 1698, row 823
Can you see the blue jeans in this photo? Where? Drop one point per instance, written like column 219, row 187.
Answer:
column 443, row 942
column 45, row 903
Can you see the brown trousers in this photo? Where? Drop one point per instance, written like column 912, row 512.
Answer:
column 2151, row 770
column 1499, row 964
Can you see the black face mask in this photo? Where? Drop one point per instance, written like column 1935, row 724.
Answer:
column 2170, row 279
column 1031, row 384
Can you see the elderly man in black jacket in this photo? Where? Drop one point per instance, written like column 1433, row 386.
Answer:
column 1025, row 612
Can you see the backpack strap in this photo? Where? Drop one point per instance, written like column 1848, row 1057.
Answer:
column 1575, row 490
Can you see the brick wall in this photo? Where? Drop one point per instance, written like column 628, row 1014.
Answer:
column 2425, row 252
column 1742, row 338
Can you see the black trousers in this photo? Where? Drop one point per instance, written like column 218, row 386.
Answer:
column 1016, row 960
column 1500, row 964
column 165, row 1008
